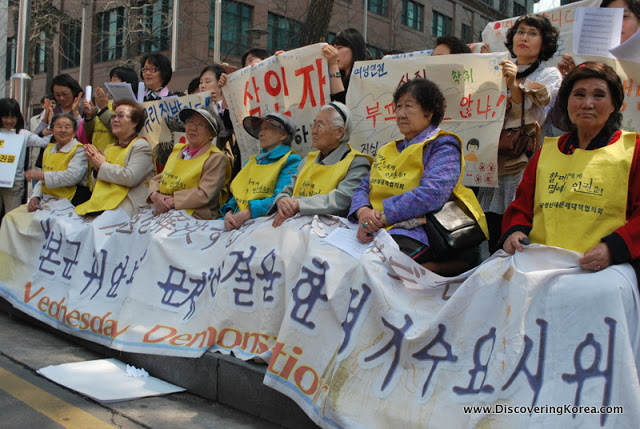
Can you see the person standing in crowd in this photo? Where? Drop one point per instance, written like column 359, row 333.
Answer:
column 212, row 78
column 64, row 166
column 266, row 173
column 630, row 24
column 13, row 123
column 196, row 174
column 347, row 48
column 253, row 56
column 125, row 167
column 531, row 86
column 607, row 160
column 326, row 180
column 155, row 71
column 68, row 96
column 99, row 131
column 449, row 45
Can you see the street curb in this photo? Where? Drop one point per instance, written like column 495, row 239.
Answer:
column 214, row 376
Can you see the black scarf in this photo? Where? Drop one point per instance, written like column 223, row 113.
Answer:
column 533, row 67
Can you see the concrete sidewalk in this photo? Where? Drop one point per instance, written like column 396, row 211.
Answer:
column 223, row 379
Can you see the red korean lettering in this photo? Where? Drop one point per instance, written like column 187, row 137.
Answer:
column 247, row 94
column 307, row 86
column 391, row 110
column 275, row 84
column 468, row 103
column 487, row 108
column 373, row 112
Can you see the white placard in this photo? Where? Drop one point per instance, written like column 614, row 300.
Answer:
column 10, row 150
column 596, row 30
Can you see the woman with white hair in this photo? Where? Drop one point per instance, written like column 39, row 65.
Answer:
column 328, row 177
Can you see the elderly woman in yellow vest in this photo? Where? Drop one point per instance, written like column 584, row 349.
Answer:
column 266, row 173
column 64, row 166
column 196, row 174
column 581, row 191
column 327, row 178
column 414, row 176
column 123, row 171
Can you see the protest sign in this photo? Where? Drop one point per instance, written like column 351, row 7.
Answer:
column 563, row 17
column 295, row 83
column 160, row 111
column 10, row 150
column 374, row 341
column 475, row 93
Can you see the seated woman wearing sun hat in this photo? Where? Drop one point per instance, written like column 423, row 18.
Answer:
column 266, row 173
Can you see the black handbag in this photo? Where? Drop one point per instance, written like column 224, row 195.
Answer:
column 451, row 230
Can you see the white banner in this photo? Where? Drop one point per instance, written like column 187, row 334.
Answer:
column 495, row 33
column 475, row 94
column 295, row 83
column 10, row 149
column 371, row 342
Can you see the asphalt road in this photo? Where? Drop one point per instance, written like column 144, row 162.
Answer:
column 28, row 400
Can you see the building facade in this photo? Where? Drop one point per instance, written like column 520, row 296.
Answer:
column 119, row 32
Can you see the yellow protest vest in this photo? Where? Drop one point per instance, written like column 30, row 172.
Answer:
column 102, row 139
column 179, row 174
column 318, row 179
column 394, row 173
column 107, row 196
column 58, row 161
column 581, row 198
column 255, row 181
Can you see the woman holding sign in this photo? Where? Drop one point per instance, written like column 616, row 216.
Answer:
column 413, row 177
column 327, row 178
column 196, row 174
column 266, row 173
column 64, row 166
column 124, row 169
column 532, row 87
column 581, row 191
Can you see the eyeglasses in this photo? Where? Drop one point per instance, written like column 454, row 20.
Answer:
column 62, row 126
column 149, row 69
column 61, row 94
column 120, row 116
column 197, row 125
column 532, row 34
column 319, row 126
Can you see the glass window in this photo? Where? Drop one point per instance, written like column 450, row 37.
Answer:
column 381, row 7
column 11, row 57
column 284, row 33
column 236, row 20
column 40, row 56
column 412, row 14
column 467, row 33
column 518, row 9
column 70, row 41
column 155, row 22
column 111, row 28
column 441, row 25
column 504, row 6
